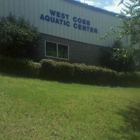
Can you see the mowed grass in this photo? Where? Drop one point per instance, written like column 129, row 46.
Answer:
column 32, row 109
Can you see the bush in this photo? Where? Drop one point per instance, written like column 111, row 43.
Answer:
column 63, row 71
column 118, row 58
column 21, row 67
column 129, row 79
column 136, row 59
column 17, row 37
column 80, row 73
column 56, row 70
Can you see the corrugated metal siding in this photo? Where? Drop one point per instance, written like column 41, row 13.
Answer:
column 32, row 9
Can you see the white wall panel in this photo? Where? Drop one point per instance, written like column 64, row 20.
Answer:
column 1, row 8
column 73, row 11
column 41, row 11
column 5, row 7
column 27, row 9
column 17, row 7
column 92, row 17
column 32, row 9
column 21, row 8
column 11, row 7
column 36, row 12
column 64, row 8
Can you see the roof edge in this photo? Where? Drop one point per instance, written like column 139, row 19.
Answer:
column 92, row 7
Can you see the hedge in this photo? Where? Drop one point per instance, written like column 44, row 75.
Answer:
column 129, row 79
column 23, row 67
column 80, row 73
column 56, row 70
column 66, row 72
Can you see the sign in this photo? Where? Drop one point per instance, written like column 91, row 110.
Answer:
column 64, row 19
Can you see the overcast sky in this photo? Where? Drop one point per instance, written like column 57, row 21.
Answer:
column 110, row 5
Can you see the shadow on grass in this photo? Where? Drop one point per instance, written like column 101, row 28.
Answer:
column 130, row 130
column 15, row 76
column 123, row 83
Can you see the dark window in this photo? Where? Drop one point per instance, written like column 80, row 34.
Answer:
column 56, row 50
column 62, row 51
column 51, row 49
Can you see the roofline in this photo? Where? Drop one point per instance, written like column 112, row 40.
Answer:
column 93, row 7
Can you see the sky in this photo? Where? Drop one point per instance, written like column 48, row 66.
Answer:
column 110, row 5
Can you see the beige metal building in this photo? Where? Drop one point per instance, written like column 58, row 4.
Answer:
column 69, row 30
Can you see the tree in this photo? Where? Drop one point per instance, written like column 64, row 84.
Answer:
column 131, row 27
column 131, row 22
column 118, row 58
column 130, row 17
column 17, row 37
column 121, row 2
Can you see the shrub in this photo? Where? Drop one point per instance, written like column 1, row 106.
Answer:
column 56, row 70
column 118, row 58
column 21, row 67
column 129, row 79
column 80, row 73
column 66, row 72
column 17, row 37
column 136, row 59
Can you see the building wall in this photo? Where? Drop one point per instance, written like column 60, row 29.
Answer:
column 78, row 52
column 67, row 22
column 38, row 12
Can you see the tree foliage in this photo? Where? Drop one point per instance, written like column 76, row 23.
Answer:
column 17, row 37
column 115, row 57
column 131, row 28
column 130, row 17
column 131, row 22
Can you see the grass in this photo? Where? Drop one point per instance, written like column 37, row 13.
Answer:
column 33, row 109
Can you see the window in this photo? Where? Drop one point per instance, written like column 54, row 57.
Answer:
column 56, row 50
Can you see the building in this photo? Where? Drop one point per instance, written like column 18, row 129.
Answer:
column 69, row 30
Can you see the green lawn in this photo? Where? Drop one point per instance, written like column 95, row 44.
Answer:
column 32, row 109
